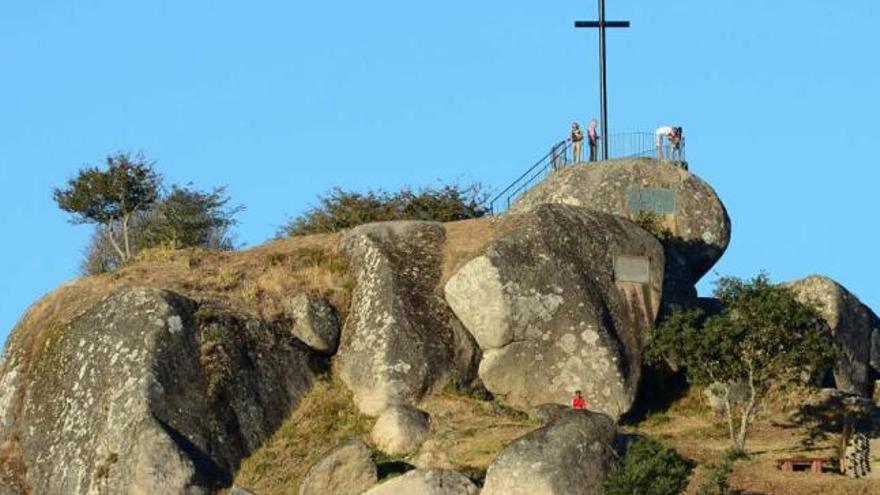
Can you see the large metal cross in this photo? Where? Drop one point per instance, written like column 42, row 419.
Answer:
column 603, row 94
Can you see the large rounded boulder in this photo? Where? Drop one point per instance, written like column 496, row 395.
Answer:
column 854, row 327
column 146, row 392
column 570, row 456
column 683, row 204
column 400, row 430
column 427, row 482
column 348, row 469
column 562, row 300
column 400, row 340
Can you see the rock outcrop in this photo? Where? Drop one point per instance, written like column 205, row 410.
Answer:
column 875, row 349
column 348, row 469
column 400, row 430
column 684, row 204
column 854, row 327
column 314, row 322
column 570, row 456
column 427, row 482
column 562, row 301
column 148, row 393
column 400, row 340
column 548, row 413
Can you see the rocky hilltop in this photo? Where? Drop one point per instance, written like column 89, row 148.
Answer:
column 188, row 371
column 686, row 206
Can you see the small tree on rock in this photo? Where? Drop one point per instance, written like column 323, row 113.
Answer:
column 763, row 336
column 112, row 197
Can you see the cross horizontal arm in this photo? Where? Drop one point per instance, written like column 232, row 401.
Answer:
column 595, row 24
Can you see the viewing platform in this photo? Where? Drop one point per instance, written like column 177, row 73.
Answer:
column 620, row 146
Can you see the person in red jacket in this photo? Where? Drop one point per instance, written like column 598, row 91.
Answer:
column 578, row 401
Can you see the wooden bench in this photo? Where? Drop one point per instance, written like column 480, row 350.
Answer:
column 814, row 463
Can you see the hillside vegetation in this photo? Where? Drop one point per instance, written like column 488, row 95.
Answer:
column 466, row 432
column 471, row 335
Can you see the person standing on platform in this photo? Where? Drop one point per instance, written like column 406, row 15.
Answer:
column 578, row 401
column 593, row 137
column 667, row 132
column 577, row 143
column 675, row 143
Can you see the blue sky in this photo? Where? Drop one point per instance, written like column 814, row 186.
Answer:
column 281, row 101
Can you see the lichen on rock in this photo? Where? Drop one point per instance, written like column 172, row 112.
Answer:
column 314, row 322
column 570, row 456
column 685, row 205
column 551, row 315
column 400, row 341
column 854, row 328
column 348, row 469
column 427, row 482
column 147, row 392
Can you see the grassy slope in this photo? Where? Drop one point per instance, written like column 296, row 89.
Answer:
column 253, row 282
column 465, row 434
column 326, row 417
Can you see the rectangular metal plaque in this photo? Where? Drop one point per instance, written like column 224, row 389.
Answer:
column 632, row 269
column 653, row 199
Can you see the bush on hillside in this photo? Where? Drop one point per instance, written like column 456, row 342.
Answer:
column 185, row 217
column 649, row 468
column 718, row 480
column 340, row 209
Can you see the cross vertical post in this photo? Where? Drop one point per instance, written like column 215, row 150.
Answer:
column 602, row 24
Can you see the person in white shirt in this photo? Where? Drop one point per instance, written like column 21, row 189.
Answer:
column 670, row 133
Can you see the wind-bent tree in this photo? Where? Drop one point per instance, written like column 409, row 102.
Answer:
column 763, row 336
column 112, row 197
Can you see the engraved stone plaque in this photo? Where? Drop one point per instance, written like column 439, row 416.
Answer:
column 635, row 269
column 653, row 199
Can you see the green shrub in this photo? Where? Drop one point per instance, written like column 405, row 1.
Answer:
column 649, row 468
column 340, row 209
column 653, row 223
column 718, row 481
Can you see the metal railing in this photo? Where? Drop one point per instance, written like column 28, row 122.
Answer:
column 557, row 158
column 643, row 145
column 620, row 146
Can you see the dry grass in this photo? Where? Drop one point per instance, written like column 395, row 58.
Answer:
column 692, row 430
column 253, row 282
column 326, row 417
column 466, row 433
column 464, row 241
